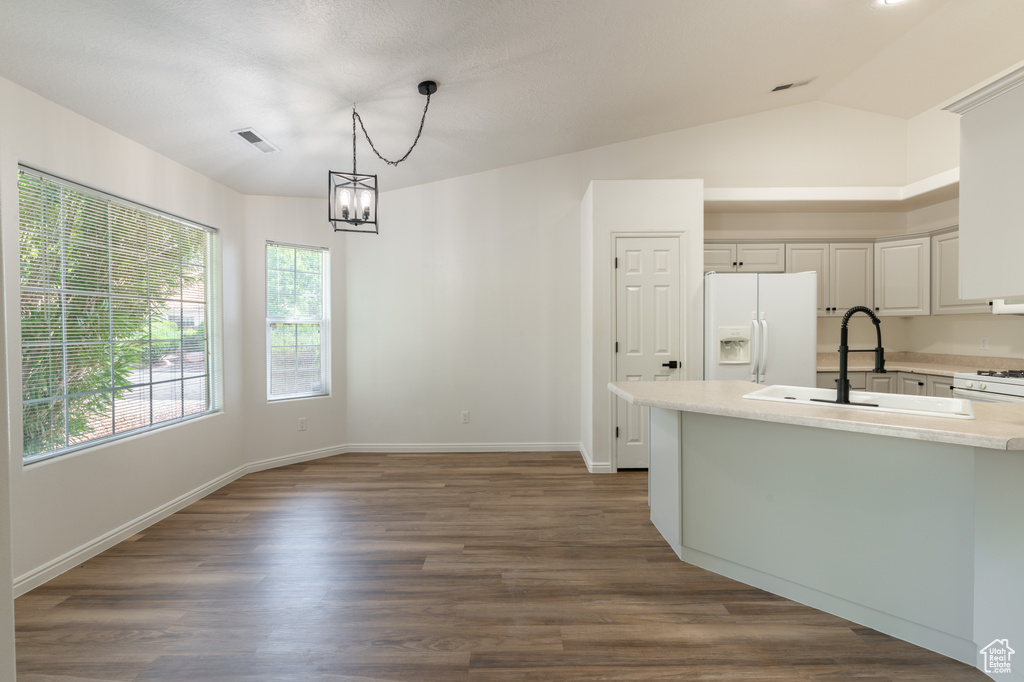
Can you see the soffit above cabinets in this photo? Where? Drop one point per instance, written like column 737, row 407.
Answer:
column 933, row 190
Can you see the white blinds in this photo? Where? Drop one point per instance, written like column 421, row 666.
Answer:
column 297, row 338
column 114, row 328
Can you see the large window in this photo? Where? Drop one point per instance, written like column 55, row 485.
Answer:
column 297, row 317
column 115, row 328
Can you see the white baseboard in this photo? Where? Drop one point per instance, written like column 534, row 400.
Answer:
column 603, row 468
column 51, row 569
column 461, row 447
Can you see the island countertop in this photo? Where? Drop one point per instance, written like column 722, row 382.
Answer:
column 999, row 426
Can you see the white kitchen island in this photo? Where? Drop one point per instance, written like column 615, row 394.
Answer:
column 910, row 525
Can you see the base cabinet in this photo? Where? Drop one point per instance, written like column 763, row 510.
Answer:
column 940, row 387
column 881, row 383
column 910, row 383
column 906, row 383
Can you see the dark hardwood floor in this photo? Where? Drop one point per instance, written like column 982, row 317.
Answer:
column 431, row 567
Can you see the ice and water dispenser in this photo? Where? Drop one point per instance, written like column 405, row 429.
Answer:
column 734, row 345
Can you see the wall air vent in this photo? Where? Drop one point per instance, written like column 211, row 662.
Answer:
column 790, row 86
column 256, row 140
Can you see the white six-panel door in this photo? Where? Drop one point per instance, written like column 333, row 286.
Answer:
column 647, row 312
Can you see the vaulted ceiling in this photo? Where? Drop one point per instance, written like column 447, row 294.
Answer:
column 520, row 80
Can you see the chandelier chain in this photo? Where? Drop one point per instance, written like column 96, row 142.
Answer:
column 355, row 116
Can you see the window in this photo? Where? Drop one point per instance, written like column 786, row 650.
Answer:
column 114, row 316
column 297, row 330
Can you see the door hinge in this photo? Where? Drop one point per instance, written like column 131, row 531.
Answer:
column 616, row 431
column 616, row 346
column 616, row 262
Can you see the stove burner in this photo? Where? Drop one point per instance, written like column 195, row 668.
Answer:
column 1005, row 374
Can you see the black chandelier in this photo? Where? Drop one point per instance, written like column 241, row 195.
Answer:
column 352, row 197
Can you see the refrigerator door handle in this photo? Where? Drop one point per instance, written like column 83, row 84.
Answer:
column 764, row 350
column 755, row 351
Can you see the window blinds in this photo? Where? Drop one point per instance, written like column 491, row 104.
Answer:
column 114, row 316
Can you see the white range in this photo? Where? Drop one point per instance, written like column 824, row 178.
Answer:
column 990, row 386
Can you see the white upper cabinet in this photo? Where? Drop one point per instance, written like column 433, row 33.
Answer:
column 844, row 273
column 745, row 257
column 719, row 258
column 902, row 277
column 946, row 278
column 991, row 178
column 811, row 258
column 761, row 257
column 850, row 276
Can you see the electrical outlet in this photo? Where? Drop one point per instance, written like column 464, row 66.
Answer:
column 302, row 423
column 464, row 417
column 984, row 343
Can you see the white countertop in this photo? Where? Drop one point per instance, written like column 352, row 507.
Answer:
column 999, row 426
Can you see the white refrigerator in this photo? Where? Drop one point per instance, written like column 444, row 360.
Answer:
column 761, row 327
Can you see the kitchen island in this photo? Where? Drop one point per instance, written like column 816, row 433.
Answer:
column 910, row 525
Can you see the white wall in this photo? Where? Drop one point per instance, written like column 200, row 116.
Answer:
column 634, row 207
column 961, row 335
column 468, row 300
column 271, row 429
column 933, row 144
column 7, row 662
column 807, row 145
column 66, row 509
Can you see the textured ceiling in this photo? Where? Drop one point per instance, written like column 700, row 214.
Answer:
column 519, row 79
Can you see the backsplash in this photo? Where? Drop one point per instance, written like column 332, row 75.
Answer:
column 942, row 334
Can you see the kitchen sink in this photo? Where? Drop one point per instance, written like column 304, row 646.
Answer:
column 925, row 406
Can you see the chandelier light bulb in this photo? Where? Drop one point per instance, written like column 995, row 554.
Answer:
column 366, row 201
column 345, row 203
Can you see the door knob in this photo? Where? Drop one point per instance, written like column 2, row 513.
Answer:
column 671, row 364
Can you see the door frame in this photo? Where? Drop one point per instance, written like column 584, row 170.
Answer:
column 684, row 313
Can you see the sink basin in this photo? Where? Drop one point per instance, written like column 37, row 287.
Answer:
column 925, row 406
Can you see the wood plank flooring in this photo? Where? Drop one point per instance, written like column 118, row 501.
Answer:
column 452, row 567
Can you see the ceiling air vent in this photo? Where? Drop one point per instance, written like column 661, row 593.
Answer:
column 256, row 140
column 789, row 86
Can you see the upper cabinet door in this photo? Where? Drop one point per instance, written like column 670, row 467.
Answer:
column 946, row 278
column 760, row 258
column 719, row 258
column 850, row 276
column 811, row 258
column 902, row 277
column 991, row 176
